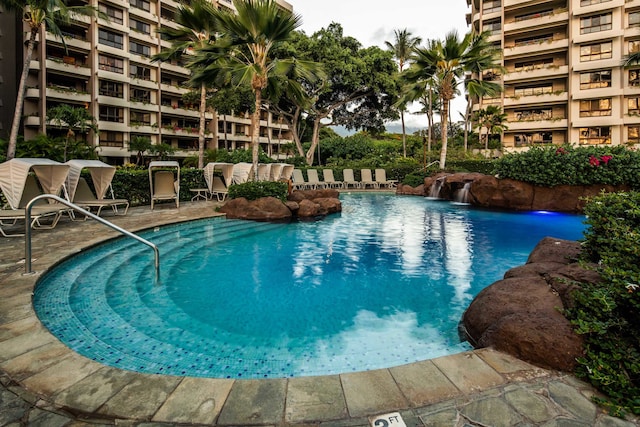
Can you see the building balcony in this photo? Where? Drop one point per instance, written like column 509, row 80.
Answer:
column 584, row 122
column 177, row 111
column 71, row 41
column 175, row 68
column 514, row 4
column 32, row 121
column 537, row 22
column 632, row 119
column 144, row 106
column 598, row 7
column 34, row 65
column 32, row 93
column 67, row 94
column 233, row 119
column 546, row 98
column 68, row 68
column 143, row 128
column 535, row 48
column 537, row 73
column 116, row 102
column 632, row 32
column 537, row 125
column 173, row 89
column 113, row 151
column 104, row 125
column 147, row 84
column 631, row 4
column 600, row 35
column 146, row 16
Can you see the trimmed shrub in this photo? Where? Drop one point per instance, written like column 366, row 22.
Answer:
column 553, row 165
column 255, row 190
column 608, row 314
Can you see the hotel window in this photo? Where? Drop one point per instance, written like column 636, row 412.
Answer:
column 534, row 114
column 109, row 38
column 528, row 41
column 533, row 90
column 140, row 95
column 593, row 24
column 584, row 3
column 115, row 15
column 491, row 6
column 109, row 88
column 595, row 79
column 633, row 135
column 634, row 78
column 634, row 19
column 595, row 107
column 141, row 4
column 109, row 63
column 139, row 49
column 595, row 135
column 493, row 27
column 111, row 139
column 633, row 106
column 594, row 52
column 139, row 26
column 523, row 139
column 139, row 72
column 140, row 118
column 111, row 114
column 634, row 46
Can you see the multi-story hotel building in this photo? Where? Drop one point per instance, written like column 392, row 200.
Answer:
column 563, row 76
column 107, row 69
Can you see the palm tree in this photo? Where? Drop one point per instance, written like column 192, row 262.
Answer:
column 78, row 118
column 446, row 61
column 198, row 28
column 492, row 119
column 252, row 33
column 39, row 14
column 402, row 49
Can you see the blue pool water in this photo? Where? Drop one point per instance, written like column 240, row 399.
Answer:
column 382, row 284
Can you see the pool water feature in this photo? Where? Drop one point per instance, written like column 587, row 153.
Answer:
column 382, row 284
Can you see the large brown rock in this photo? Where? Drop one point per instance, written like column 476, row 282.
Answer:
column 263, row 209
column 409, row 190
column 522, row 314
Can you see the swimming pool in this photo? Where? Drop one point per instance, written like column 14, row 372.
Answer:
column 382, row 284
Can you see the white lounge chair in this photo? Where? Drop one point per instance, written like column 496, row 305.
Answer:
column 218, row 185
column 349, row 180
column 276, row 171
column 287, row 172
column 241, row 172
column 85, row 198
column 101, row 177
column 298, row 181
column 164, row 184
column 329, row 179
column 366, row 179
column 381, row 179
column 264, row 171
column 314, row 180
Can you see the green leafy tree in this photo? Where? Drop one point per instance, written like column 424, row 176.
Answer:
column 73, row 119
column 229, row 100
column 198, row 27
column 39, row 14
column 162, row 151
column 140, row 144
column 445, row 62
column 402, row 48
column 491, row 119
column 245, row 56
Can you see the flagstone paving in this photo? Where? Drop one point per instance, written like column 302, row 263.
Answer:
column 43, row 383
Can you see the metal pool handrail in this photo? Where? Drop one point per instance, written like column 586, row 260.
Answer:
column 27, row 230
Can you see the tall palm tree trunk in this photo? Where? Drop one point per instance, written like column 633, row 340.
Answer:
column 15, row 126
column 404, row 135
column 444, row 118
column 203, row 108
column 255, row 136
column 467, row 116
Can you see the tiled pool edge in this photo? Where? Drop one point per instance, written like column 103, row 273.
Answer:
column 35, row 360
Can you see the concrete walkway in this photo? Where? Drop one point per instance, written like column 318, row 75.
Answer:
column 46, row 384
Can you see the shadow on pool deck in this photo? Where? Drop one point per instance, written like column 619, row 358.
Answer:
column 45, row 383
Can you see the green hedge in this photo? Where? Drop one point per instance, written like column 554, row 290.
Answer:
column 553, row 165
column 255, row 190
column 608, row 314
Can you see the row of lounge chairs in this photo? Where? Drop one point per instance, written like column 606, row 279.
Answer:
column 23, row 179
column 348, row 180
column 229, row 173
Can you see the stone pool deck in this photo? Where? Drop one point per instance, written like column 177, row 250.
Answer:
column 46, row 384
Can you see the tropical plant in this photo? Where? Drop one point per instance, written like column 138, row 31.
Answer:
column 73, row 119
column 140, row 144
column 245, row 55
column 402, row 49
column 445, row 62
column 197, row 28
column 39, row 14
column 492, row 119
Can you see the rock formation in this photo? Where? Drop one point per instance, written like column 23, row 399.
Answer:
column 300, row 204
column 522, row 314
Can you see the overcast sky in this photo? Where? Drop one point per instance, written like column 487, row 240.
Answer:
column 373, row 22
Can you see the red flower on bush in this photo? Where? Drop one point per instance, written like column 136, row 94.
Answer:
column 594, row 161
column 561, row 151
column 605, row 159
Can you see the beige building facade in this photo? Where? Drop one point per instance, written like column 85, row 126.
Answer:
column 563, row 77
column 107, row 69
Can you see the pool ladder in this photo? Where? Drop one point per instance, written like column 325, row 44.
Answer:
column 27, row 230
